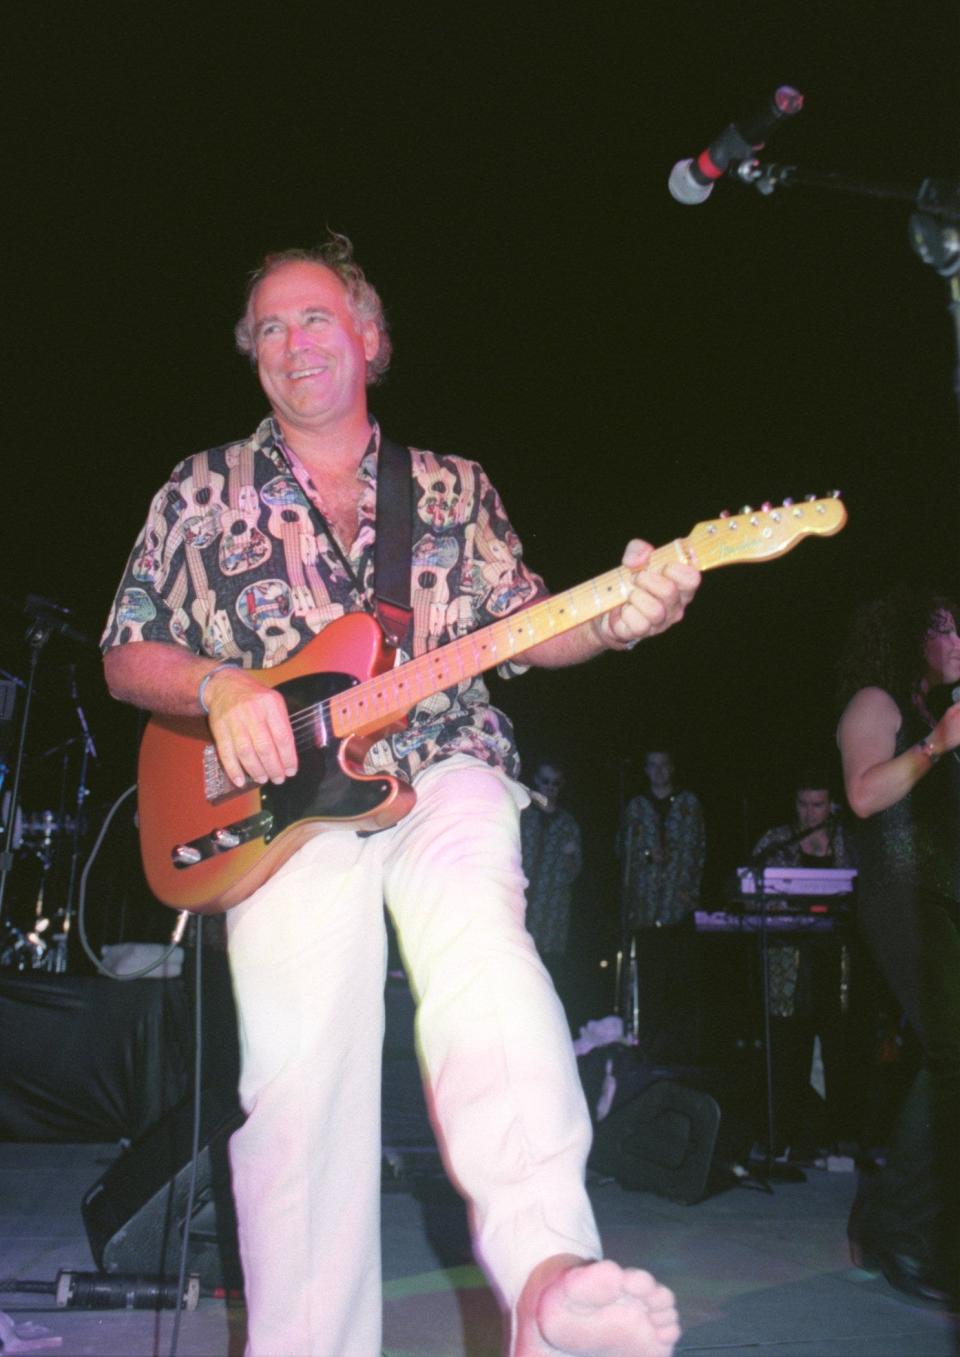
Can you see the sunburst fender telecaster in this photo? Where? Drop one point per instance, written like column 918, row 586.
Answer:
column 208, row 844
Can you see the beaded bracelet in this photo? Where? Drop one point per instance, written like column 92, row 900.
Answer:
column 926, row 748
column 202, row 690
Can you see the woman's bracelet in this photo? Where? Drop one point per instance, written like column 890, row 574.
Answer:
column 202, row 690
column 926, row 748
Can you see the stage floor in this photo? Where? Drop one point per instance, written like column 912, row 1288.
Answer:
column 756, row 1274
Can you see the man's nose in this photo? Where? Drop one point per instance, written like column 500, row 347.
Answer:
column 296, row 337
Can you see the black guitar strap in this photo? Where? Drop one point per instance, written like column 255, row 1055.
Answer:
column 393, row 547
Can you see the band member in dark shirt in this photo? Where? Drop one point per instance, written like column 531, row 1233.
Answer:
column 810, row 987
column 902, row 779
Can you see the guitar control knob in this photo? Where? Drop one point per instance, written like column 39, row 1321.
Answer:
column 185, row 855
column 225, row 838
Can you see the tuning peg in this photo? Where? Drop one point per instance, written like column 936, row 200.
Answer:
column 747, row 509
column 766, row 506
column 809, row 498
column 724, row 513
column 836, row 494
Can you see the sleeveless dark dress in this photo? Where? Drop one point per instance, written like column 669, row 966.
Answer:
column 908, row 903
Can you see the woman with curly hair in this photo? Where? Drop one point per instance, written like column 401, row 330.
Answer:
column 898, row 735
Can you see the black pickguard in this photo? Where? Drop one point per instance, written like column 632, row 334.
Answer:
column 320, row 789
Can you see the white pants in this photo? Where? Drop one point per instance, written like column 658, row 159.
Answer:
column 308, row 956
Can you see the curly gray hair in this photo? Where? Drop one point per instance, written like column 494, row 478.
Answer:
column 335, row 254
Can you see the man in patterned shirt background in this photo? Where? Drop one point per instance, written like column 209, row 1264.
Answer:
column 662, row 851
column 552, row 861
column 818, row 991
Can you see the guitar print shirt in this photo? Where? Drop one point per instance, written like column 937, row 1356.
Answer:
column 235, row 562
column 666, row 847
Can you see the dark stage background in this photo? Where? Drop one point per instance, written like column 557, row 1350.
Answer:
column 619, row 363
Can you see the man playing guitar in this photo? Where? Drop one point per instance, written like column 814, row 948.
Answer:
column 307, row 945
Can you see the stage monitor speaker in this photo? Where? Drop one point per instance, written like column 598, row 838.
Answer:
column 661, row 1141
column 135, row 1214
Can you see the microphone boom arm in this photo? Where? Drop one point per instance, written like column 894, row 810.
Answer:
column 937, row 197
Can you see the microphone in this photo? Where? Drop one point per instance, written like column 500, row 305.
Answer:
column 692, row 181
column 54, row 616
column 941, row 697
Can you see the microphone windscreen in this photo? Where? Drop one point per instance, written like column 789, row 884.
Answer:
column 684, row 188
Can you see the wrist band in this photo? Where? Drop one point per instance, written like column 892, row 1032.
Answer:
column 926, row 748
column 202, row 690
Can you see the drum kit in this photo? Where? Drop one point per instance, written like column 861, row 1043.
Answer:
column 39, row 849
column 34, row 932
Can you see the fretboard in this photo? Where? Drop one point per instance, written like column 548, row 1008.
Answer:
column 378, row 701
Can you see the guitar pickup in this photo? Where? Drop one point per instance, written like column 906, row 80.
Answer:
column 222, row 840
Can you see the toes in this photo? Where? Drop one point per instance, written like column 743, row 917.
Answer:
column 646, row 1288
column 603, row 1306
column 595, row 1284
column 636, row 1282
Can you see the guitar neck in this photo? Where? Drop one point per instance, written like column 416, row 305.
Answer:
column 386, row 698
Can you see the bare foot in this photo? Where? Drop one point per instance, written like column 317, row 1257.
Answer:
column 597, row 1310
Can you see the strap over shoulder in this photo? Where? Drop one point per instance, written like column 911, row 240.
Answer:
column 393, row 548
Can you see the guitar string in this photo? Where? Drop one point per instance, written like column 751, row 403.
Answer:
column 304, row 721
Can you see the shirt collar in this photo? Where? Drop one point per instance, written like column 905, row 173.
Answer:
column 269, row 440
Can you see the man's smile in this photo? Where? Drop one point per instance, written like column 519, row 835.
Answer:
column 300, row 373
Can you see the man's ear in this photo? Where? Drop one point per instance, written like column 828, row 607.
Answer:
column 371, row 340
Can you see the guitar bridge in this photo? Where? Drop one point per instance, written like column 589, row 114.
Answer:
column 222, row 840
column 216, row 784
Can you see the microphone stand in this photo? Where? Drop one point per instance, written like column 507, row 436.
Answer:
column 89, row 751
column 8, row 706
column 773, row 1169
column 41, row 629
column 626, row 993
column 934, row 226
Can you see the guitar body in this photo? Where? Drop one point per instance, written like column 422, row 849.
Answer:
column 329, row 788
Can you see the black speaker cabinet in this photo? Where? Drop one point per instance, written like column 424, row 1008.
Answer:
column 135, row 1214
column 661, row 1141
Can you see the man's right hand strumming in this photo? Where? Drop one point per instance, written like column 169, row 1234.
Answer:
column 248, row 721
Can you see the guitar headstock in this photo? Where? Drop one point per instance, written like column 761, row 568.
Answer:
column 761, row 534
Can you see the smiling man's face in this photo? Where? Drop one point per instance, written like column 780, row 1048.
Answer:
column 311, row 351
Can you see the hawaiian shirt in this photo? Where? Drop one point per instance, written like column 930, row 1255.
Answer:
column 667, row 849
column 236, row 562
column 552, row 858
column 841, row 855
column 788, row 965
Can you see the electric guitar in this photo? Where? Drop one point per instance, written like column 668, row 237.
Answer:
column 207, row 844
